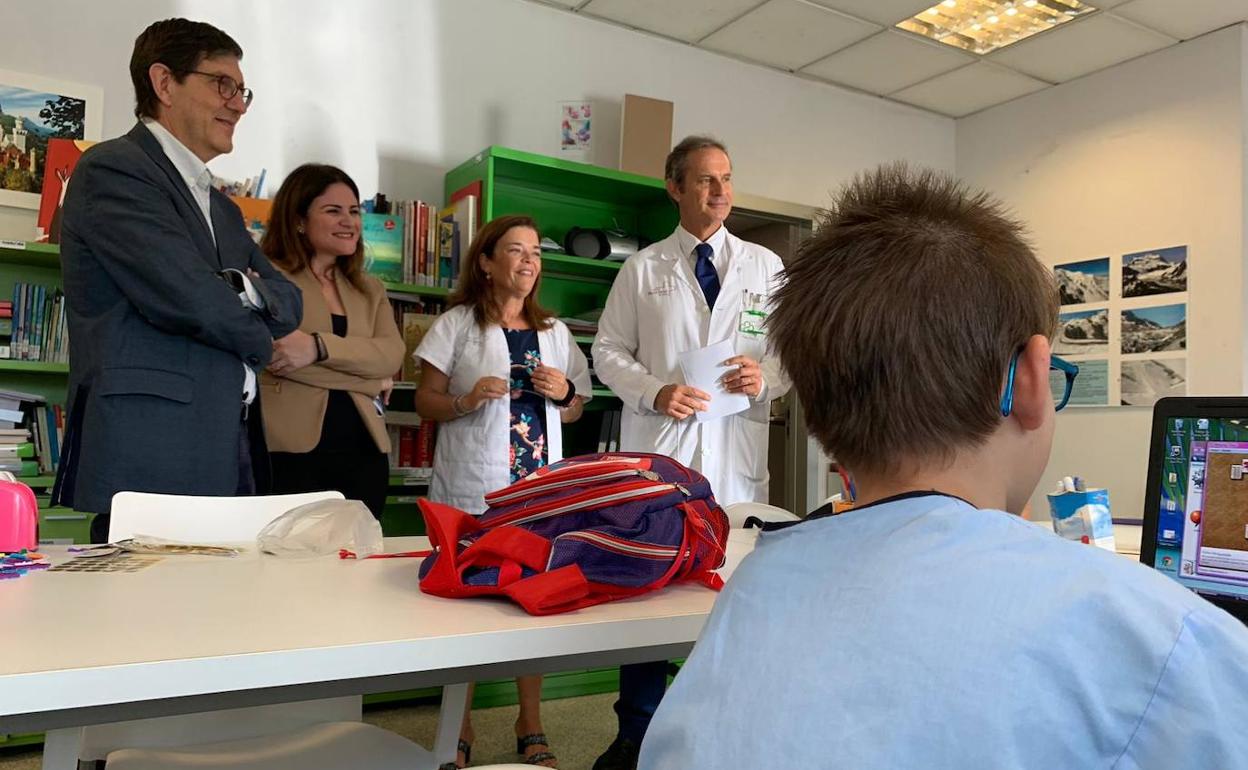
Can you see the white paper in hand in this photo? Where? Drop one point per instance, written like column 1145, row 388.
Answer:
column 704, row 369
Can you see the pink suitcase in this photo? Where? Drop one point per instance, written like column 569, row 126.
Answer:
column 19, row 515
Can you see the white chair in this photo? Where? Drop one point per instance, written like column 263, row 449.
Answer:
column 739, row 512
column 193, row 519
column 309, row 735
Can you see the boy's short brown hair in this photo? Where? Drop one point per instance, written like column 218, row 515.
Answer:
column 898, row 318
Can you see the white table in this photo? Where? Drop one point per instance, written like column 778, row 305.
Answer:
column 193, row 634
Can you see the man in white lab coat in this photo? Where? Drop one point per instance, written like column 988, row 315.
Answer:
column 697, row 287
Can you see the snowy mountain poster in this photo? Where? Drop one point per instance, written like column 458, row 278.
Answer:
column 1157, row 271
column 1081, row 282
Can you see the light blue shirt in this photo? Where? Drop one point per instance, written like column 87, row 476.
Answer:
column 923, row 633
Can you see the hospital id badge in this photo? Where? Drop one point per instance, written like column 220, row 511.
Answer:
column 753, row 315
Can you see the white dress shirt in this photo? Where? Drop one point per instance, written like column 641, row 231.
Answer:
column 689, row 242
column 199, row 179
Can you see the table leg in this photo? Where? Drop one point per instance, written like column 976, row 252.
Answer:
column 450, row 719
column 60, row 748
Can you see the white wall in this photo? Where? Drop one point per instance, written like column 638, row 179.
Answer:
column 1147, row 154
column 398, row 91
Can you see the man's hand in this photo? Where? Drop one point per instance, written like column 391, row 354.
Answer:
column 747, row 379
column 294, row 351
column 387, row 387
column 680, row 401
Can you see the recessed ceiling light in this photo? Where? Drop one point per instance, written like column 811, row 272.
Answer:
column 957, row 23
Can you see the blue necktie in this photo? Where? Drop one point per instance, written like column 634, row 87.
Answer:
column 708, row 279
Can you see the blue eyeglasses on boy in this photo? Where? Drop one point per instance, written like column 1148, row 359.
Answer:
column 1056, row 364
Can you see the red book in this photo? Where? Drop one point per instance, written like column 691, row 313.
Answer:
column 422, row 237
column 407, row 446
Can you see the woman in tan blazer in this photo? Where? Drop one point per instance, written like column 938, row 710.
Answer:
column 324, row 391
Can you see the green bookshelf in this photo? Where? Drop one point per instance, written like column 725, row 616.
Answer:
column 29, row 254
column 415, row 291
column 36, row 263
column 41, row 367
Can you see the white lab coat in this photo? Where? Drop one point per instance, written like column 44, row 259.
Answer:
column 472, row 452
column 655, row 311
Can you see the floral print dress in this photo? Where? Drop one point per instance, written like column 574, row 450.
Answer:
column 528, row 409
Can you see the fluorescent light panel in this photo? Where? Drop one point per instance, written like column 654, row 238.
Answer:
column 981, row 26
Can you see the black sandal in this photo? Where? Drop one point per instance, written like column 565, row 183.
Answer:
column 535, row 739
column 464, row 747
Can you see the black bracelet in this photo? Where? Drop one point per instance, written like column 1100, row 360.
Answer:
column 568, row 398
column 321, row 352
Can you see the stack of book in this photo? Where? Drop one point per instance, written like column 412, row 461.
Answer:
column 416, row 242
column 37, row 328
column 31, row 433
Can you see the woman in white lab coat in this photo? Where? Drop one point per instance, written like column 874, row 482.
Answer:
column 500, row 375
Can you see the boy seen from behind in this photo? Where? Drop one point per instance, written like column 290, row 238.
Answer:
column 930, row 626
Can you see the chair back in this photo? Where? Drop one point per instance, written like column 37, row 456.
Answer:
column 739, row 512
column 195, row 519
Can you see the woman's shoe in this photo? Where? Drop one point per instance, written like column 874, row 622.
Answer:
column 463, row 747
column 535, row 739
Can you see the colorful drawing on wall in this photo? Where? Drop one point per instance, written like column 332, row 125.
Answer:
column 575, row 132
column 1154, row 329
column 1091, row 385
column 33, row 111
column 1080, row 282
column 1157, row 271
column 1145, row 381
column 1084, row 332
column 63, row 155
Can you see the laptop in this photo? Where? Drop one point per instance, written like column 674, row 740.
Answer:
column 1196, row 502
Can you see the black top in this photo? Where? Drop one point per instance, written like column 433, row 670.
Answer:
column 343, row 429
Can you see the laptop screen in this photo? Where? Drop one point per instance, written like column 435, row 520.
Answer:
column 1197, row 525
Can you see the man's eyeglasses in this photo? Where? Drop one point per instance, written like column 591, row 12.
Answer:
column 1056, row 364
column 228, row 87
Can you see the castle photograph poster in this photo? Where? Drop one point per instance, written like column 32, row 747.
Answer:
column 33, row 110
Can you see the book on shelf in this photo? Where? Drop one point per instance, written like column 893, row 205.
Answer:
column 425, row 241
column 384, row 246
column 37, row 330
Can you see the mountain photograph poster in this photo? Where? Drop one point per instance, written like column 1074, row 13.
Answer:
column 1157, row 271
column 1082, row 333
column 1082, row 282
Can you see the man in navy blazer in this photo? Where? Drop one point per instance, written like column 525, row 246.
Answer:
column 172, row 308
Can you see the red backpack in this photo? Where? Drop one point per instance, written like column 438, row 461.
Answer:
column 579, row 532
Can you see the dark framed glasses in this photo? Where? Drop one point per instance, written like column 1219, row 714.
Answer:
column 228, row 87
column 1058, row 366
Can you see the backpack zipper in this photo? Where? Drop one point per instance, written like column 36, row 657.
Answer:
column 513, row 494
column 588, row 500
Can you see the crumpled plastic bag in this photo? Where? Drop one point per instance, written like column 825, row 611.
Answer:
column 321, row 528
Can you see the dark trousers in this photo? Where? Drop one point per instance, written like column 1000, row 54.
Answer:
column 362, row 476
column 253, row 468
column 641, row 688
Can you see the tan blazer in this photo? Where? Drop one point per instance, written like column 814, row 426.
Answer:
column 294, row 406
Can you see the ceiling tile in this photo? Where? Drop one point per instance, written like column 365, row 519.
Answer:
column 969, row 89
column 1079, row 47
column 1187, row 19
column 562, row 3
column 788, row 34
column 689, row 20
column 887, row 62
column 886, row 12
